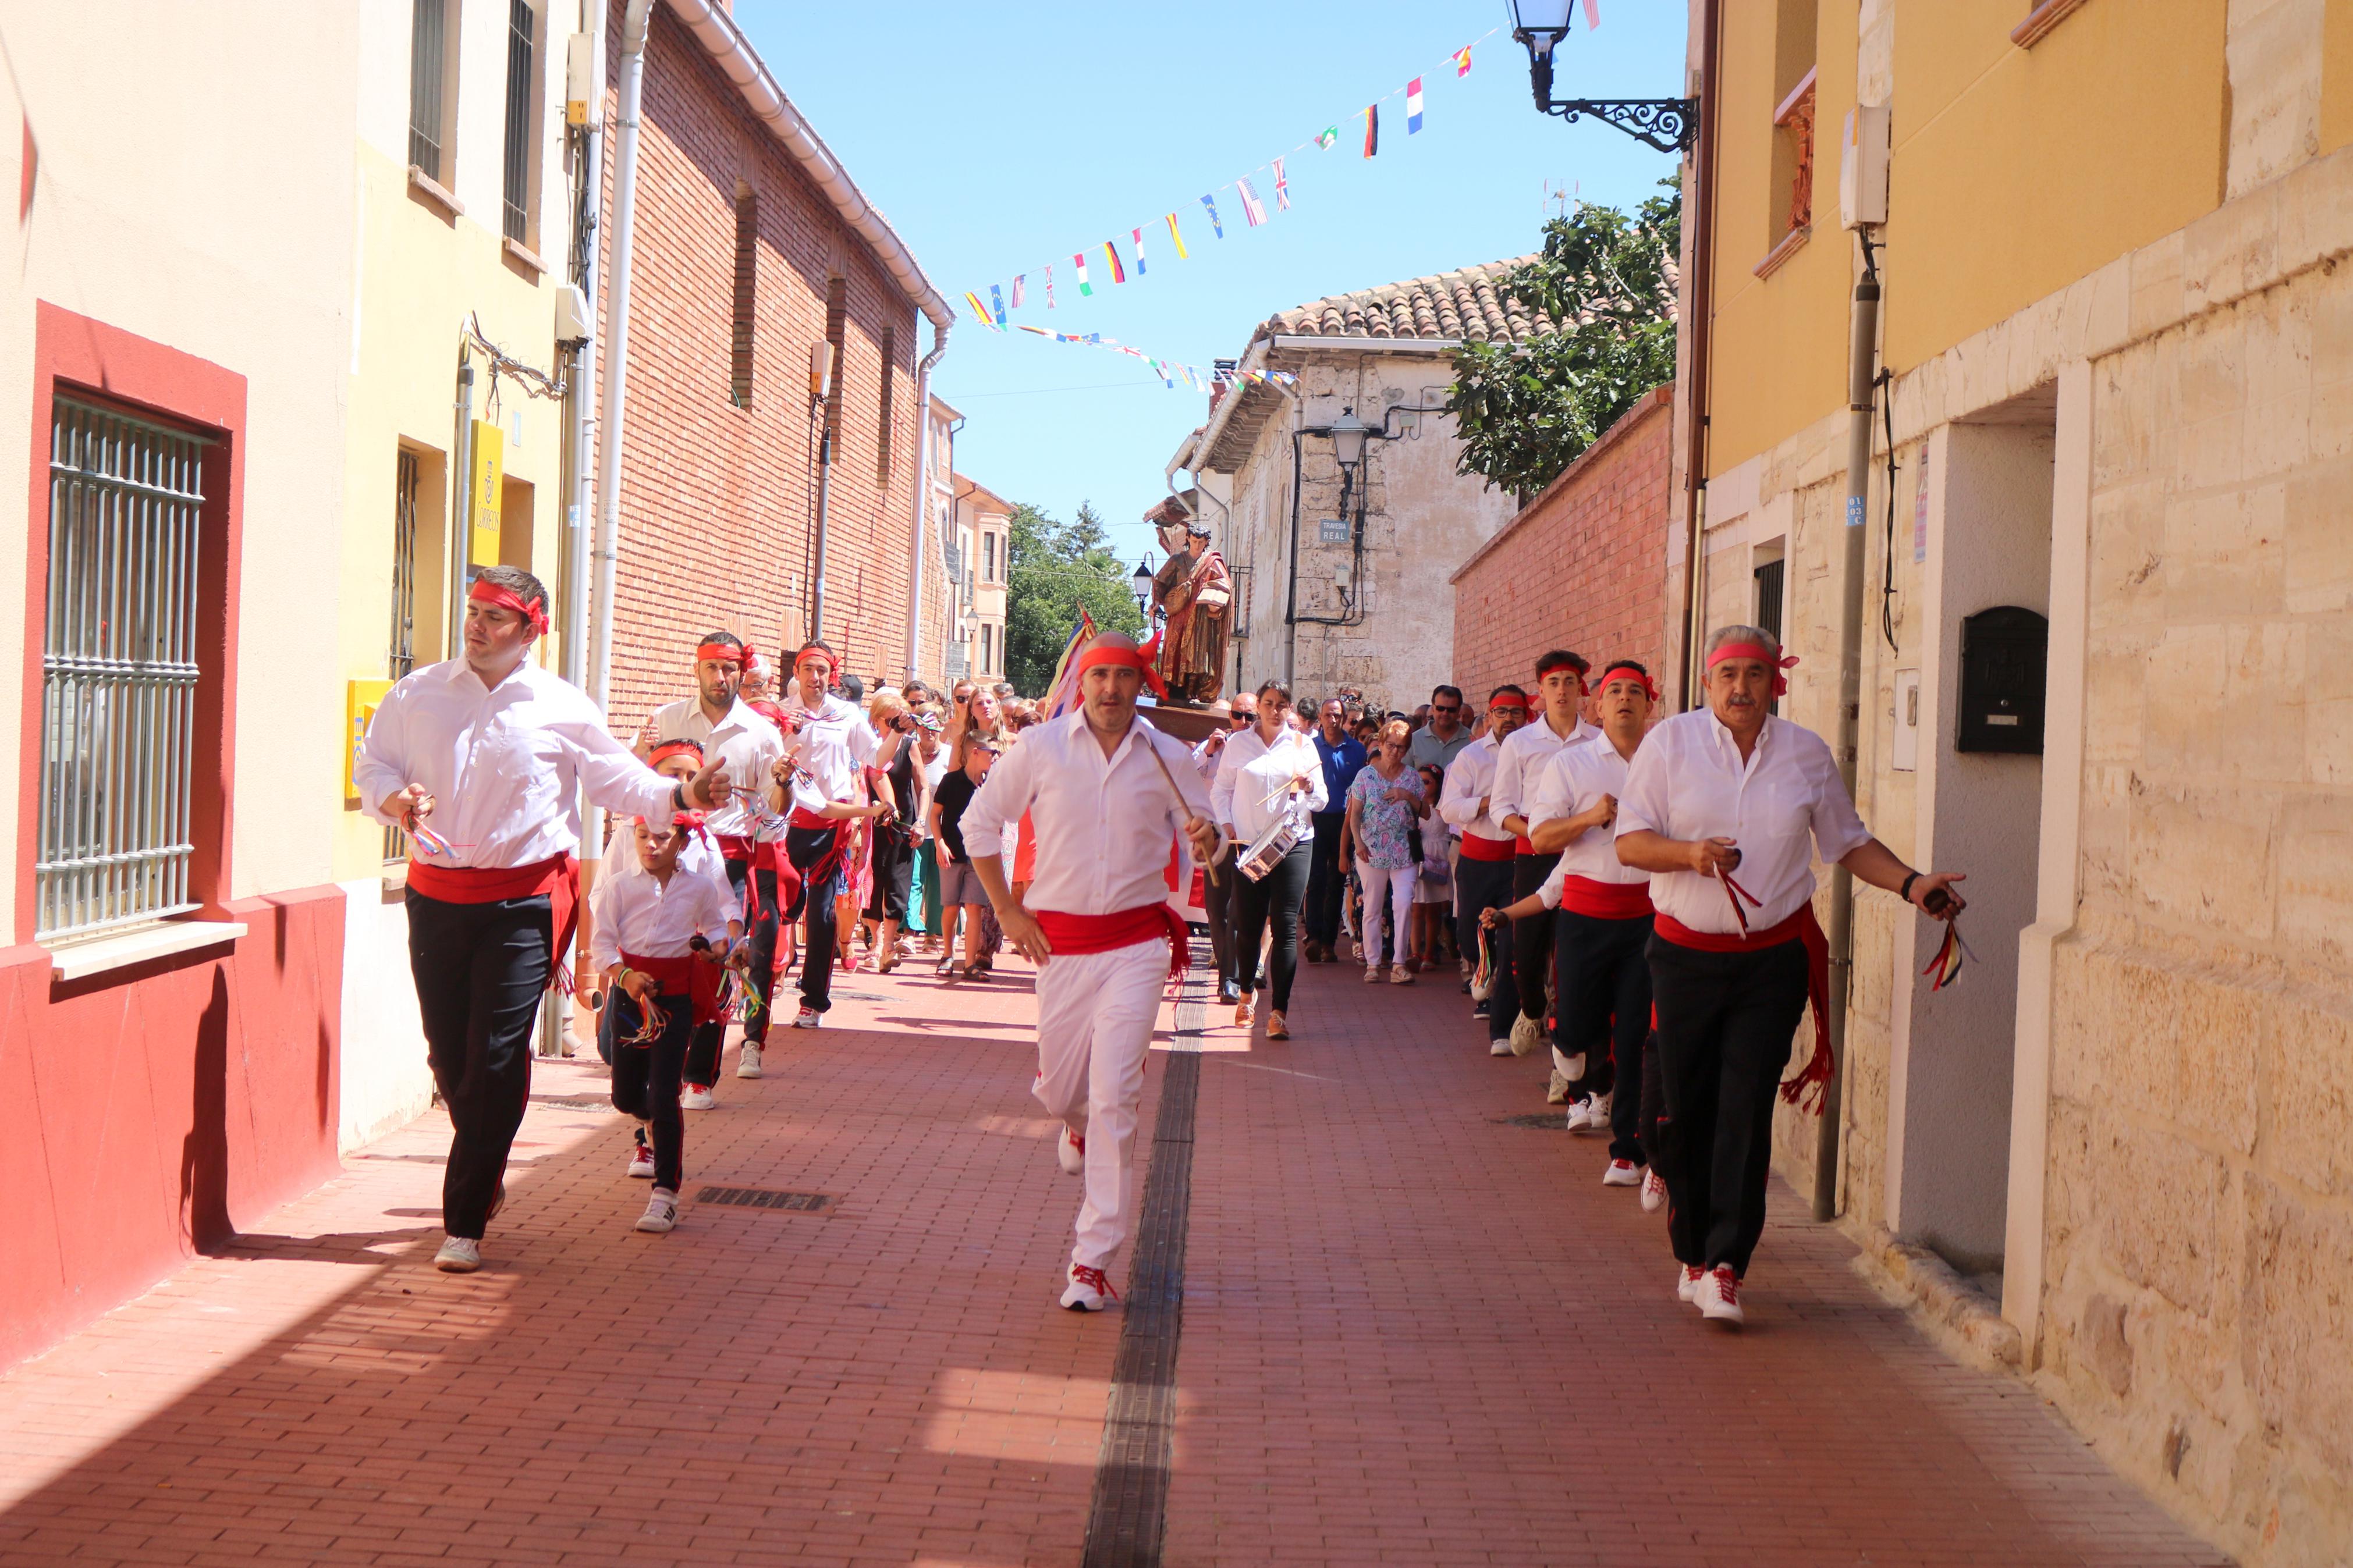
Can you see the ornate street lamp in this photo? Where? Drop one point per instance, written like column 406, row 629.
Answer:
column 1141, row 583
column 1348, row 440
column 1669, row 124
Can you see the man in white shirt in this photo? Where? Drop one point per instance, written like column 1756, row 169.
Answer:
column 718, row 719
column 1269, row 773
column 823, row 778
column 1108, row 794
column 1218, row 894
column 1724, row 806
column 1601, row 925
column 482, row 759
column 1483, row 877
column 1520, row 765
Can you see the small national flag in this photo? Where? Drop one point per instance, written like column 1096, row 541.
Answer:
column 1210, row 204
column 1592, row 14
column 1413, row 107
column 1018, row 279
column 1118, row 273
column 1085, row 288
column 1372, row 130
column 979, row 311
column 1137, row 235
column 1281, row 188
column 1325, row 137
column 996, row 303
column 1463, row 61
column 1176, row 238
column 1049, row 288
column 1253, row 210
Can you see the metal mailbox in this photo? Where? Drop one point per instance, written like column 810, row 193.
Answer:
column 2004, row 653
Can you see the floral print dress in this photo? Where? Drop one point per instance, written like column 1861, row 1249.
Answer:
column 1382, row 824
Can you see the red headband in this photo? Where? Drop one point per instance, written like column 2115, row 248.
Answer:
column 1649, row 689
column 489, row 593
column 1507, row 700
column 672, row 748
column 1750, row 650
column 721, row 652
column 1123, row 659
column 807, row 649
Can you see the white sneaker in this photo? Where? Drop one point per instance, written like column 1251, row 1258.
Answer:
column 1654, row 1191
column 641, row 1158
column 1072, row 1151
column 1087, row 1289
column 661, row 1211
column 1622, row 1173
column 1556, row 1088
column 1526, row 1035
column 697, row 1096
column 807, row 1018
column 1718, row 1295
column 1568, row 1066
column 1499, row 1049
column 1372, row 975
column 1687, row 1278
column 459, row 1255
column 1601, row 1103
column 1580, row 1114
column 748, row 1063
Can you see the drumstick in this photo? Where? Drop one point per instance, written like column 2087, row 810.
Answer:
column 1211, row 868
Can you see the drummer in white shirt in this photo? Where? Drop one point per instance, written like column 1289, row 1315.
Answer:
column 1724, row 806
column 1269, row 772
column 1483, row 877
column 1218, row 899
column 1518, row 796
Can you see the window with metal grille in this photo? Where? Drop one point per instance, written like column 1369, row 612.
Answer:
column 883, row 406
column 401, row 657
column 522, row 54
column 1770, row 578
column 747, row 284
column 429, row 73
column 118, row 671
column 836, row 315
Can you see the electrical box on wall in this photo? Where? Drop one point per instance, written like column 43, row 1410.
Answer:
column 1907, row 722
column 2004, row 653
column 1862, row 167
column 584, row 82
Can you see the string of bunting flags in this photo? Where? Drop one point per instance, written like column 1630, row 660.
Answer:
column 994, row 311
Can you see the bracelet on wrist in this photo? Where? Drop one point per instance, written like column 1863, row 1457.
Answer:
column 1904, row 892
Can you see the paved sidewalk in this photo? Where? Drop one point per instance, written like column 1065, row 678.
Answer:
column 1413, row 1332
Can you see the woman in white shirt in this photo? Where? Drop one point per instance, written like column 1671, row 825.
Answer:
column 1269, row 772
column 1724, row 806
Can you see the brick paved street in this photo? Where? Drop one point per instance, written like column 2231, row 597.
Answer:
column 1413, row 1332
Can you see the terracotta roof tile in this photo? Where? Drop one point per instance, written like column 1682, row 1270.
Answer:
column 1464, row 304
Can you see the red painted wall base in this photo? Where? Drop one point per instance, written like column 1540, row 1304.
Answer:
column 151, row 1112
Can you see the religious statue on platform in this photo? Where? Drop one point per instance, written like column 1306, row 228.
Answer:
column 1196, row 596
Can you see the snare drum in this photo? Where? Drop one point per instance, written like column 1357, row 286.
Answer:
column 1267, row 850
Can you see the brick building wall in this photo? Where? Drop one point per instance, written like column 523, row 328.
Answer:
column 1582, row 566
column 718, row 496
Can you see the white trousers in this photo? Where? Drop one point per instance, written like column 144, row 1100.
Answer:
column 1095, row 1016
column 1385, row 889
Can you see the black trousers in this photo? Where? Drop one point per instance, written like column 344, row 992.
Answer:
column 1273, row 899
column 1602, row 976
column 1217, row 905
column 480, row 971
column 1726, row 1023
column 1530, row 950
column 1480, row 885
column 805, row 847
column 646, row 1078
column 1327, row 881
column 702, row 1051
column 895, row 872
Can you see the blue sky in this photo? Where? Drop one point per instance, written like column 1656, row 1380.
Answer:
column 1000, row 139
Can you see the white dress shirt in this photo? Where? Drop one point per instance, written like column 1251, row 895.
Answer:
column 1548, row 796
column 1106, row 826
column 1468, row 781
column 697, row 854
column 1520, row 765
column 1687, row 782
column 1588, row 773
column 654, row 919
column 832, row 744
column 1252, row 770
column 505, row 764
column 746, row 742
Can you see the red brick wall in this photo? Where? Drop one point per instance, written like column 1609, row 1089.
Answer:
column 718, row 502
column 1583, row 566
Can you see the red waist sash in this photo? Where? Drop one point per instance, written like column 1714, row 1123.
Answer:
column 1522, row 845
column 738, row 846
column 1495, row 850
column 1605, row 900
column 697, row 979
column 1808, row 1088
column 1067, row 932
column 558, row 877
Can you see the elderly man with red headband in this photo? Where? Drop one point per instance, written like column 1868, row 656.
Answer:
column 724, row 724
column 482, row 760
column 821, row 780
column 1108, row 794
column 1724, row 806
column 1520, row 767
column 1482, row 881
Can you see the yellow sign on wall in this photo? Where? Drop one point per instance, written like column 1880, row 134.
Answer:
column 360, row 699
column 489, row 479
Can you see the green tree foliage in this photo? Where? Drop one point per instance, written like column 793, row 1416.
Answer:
column 1054, row 570
column 1607, row 282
